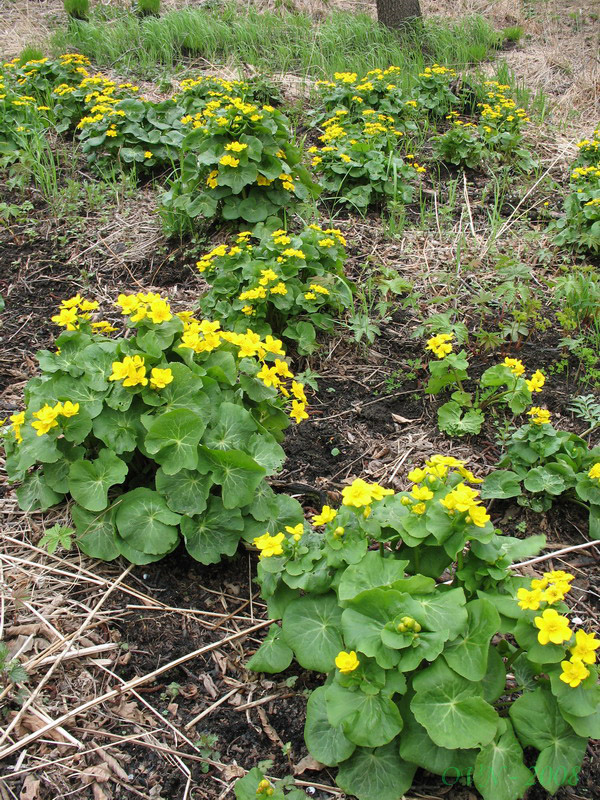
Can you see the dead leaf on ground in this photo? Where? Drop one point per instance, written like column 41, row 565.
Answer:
column 31, row 789
column 232, row 771
column 307, row 763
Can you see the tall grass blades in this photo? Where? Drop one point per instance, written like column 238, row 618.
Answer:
column 277, row 42
column 77, row 9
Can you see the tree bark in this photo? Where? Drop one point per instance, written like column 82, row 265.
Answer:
column 397, row 13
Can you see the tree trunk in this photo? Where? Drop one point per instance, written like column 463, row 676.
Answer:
column 397, row 13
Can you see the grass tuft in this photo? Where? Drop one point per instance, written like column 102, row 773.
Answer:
column 275, row 42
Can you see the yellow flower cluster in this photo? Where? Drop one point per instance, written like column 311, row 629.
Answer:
column 73, row 311
column 273, row 545
column 144, row 306
column 463, row 499
column 515, row 365
column 539, row 416
column 500, row 109
column 436, row 69
column 361, row 494
column 132, row 371
column 440, row 345
column 46, row 417
column 585, row 173
column 536, row 382
column 550, row 589
column 264, row 788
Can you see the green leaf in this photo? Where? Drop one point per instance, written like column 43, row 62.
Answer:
column 173, row 440
column 527, row 637
column 55, row 536
column 501, row 484
column 364, row 622
column 539, row 723
column 89, row 481
column 217, row 532
column 35, row 493
column 368, row 720
column 468, row 654
column 146, row 523
column 587, row 727
column 119, row 430
column 64, row 388
column 312, row 628
column 95, row 532
column 326, row 743
column 375, row 572
column 265, row 451
column 494, row 680
column 540, row 479
column 378, row 774
column 417, row 747
column 186, row 492
column 451, row 708
column 273, row 655
column 186, row 391
column 452, row 421
column 233, row 429
column 500, row 773
column 238, row 475
column 440, row 611
column 581, row 700
column 97, row 361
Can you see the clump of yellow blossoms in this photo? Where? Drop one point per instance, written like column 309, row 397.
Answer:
column 440, row 345
column 145, row 306
column 461, row 499
column 594, row 472
column 539, row 416
column 73, row 311
column 46, row 417
column 551, row 589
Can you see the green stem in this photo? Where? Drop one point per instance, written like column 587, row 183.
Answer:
column 381, row 550
column 514, row 656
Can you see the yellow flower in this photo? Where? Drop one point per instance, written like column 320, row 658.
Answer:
column 236, row 147
column 537, row 380
column 419, row 508
column 131, row 371
column 554, row 593
column 358, row 494
column 416, row 475
column 274, row 346
column 159, row 378
column 539, row 416
column 585, row 647
column 594, row 472
column 68, row 409
column 279, row 288
column 310, row 296
column 46, row 419
column 262, row 181
column 147, row 154
column 573, row 672
column 298, row 391
column 67, row 318
column 298, row 412
column 17, row 421
column 290, row 252
column 421, row 493
column 327, row 515
column 128, row 303
column 461, row 498
column 316, row 287
column 229, row 161
column 515, row 365
column 440, row 345
column 346, row 662
column 269, row 545
column 160, row 311
column 529, row 600
column 478, row 516
column 295, row 531
column 268, row 375
column 552, row 627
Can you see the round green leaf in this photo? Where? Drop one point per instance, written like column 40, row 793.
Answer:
column 119, row 430
column 146, row 523
column 173, row 439
column 35, row 493
column 378, row 774
column 186, row 492
column 89, row 481
column 468, row 654
column 217, row 532
column 312, row 628
column 238, row 475
column 325, row 743
column 451, row 708
column 233, row 429
column 273, row 655
column 500, row 773
column 95, row 532
column 368, row 720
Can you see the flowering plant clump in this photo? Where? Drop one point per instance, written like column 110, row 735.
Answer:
column 237, row 158
column 461, row 145
column 359, row 163
column 254, row 786
column 580, row 225
column 541, row 464
column 433, row 91
column 38, row 77
column 168, row 431
column 285, row 284
column 418, row 669
column 378, row 90
column 502, row 384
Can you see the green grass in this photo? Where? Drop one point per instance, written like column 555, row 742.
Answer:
column 270, row 42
